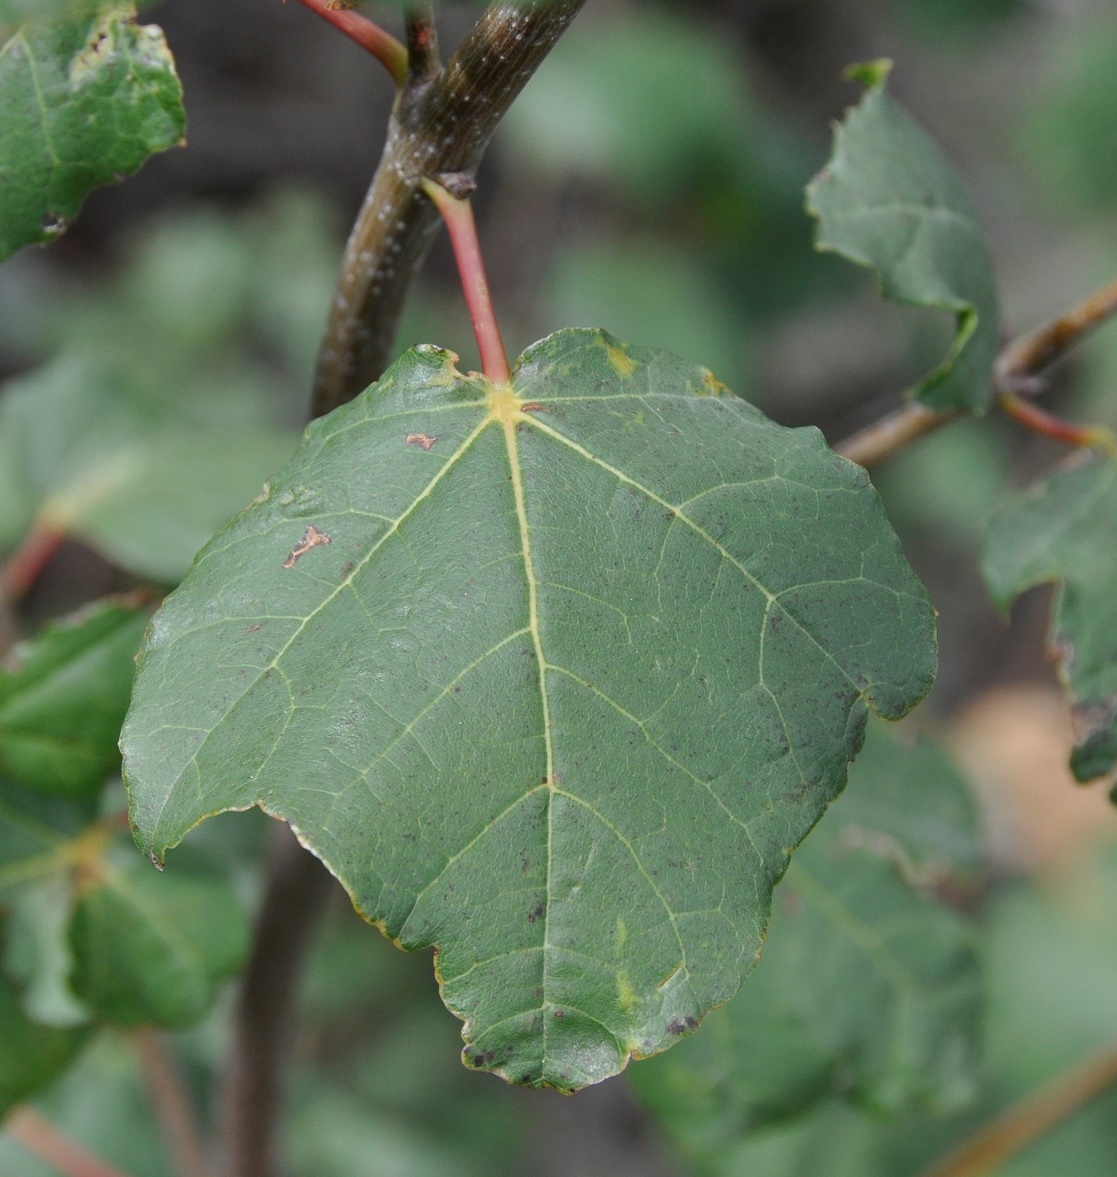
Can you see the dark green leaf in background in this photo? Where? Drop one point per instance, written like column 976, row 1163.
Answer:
column 1062, row 531
column 552, row 676
column 31, row 1055
column 63, row 699
column 86, row 99
column 868, row 987
column 151, row 948
column 888, row 199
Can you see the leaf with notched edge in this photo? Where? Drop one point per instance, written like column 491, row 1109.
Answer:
column 890, row 200
column 555, row 689
column 1062, row 531
column 87, row 97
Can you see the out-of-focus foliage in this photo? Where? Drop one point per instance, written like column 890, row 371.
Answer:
column 1062, row 530
column 63, row 700
column 1069, row 126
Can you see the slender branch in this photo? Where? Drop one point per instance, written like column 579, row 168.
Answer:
column 41, row 1138
column 296, row 890
column 891, row 433
column 1031, row 353
column 457, row 212
column 173, row 1107
column 438, row 127
column 1015, row 370
column 423, row 61
column 382, row 45
column 1033, row 1117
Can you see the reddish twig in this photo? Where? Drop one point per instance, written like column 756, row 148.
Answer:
column 173, row 1106
column 1046, row 425
column 423, row 62
column 26, row 564
column 1030, row 353
column 42, row 1139
column 457, row 212
column 1033, row 1117
column 382, row 45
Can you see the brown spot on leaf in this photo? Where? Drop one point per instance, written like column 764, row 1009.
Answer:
column 312, row 538
column 531, row 407
column 255, row 628
column 423, row 440
column 535, row 913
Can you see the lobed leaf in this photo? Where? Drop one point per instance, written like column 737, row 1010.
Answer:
column 62, row 704
column 868, row 989
column 552, row 676
column 889, row 199
column 1061, row 531
column 87, row 96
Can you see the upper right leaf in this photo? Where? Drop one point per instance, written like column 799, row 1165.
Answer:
column 1061, row 530
column 889, row 199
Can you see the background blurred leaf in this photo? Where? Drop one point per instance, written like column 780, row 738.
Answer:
column 889, row 199
column 88, row 455
column 1061, row 530
column 64, row 699
column 1068, row 127
column 150, row 948
column 1065, row 998
column 641, row 289
column 86, row 101
column 654, row 105
column 31, row 1055
column 867, row 988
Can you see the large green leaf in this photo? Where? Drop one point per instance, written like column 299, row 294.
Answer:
column 62, row 704
column 551, row 675
column 890, row 200
column 84, row 453
column 1061, row 530
column 86, row 99
column 868, row 987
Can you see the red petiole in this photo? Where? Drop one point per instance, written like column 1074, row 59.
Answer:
column 458, row 215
